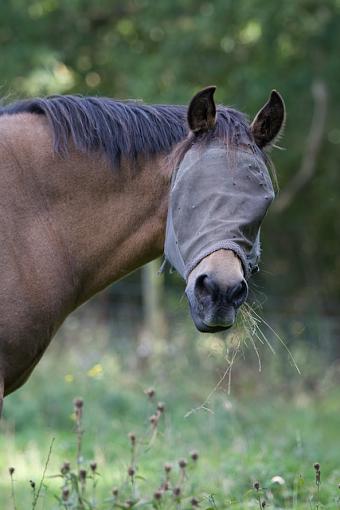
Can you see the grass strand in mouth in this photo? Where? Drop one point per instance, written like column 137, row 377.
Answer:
column 282, row 342
column 250, row 327
column 227, row 373
column 252, row 324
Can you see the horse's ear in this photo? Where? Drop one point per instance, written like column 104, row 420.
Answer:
column 202, row 111
column 269, row 121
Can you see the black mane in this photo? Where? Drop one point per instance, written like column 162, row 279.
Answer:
column 121, row 128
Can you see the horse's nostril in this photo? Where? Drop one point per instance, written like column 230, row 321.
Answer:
column 205, row 286
column 238, row 294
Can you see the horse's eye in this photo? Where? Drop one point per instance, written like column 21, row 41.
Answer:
column 255, row 269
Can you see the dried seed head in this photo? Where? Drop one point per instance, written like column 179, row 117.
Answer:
column 167, row 467
column 32, row 484
column 115, row 492
column 78, row 403
column 158, row 495
column 165, row 486
column 11, row 471
column 182, row 463
column 82, row 475
column 256, row 485
column 177, row 492
column 161, row 407
column 150, row 392
column 317, row 466
column 132, row 437
column 194, row 455
column 131, row 471
column 194, row 502
column 93, row 466
column 65, row 494
column 65, row 468
column 263, row 504
column 153, row 420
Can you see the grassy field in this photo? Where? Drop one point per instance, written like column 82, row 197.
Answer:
column 271, row 428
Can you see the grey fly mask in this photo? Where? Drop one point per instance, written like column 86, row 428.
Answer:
column 217, row 201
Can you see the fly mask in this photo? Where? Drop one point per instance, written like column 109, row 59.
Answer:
column 218, row 200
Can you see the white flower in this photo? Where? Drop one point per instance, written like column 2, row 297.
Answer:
column 278, row 479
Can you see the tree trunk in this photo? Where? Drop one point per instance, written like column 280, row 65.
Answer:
column 154, row 331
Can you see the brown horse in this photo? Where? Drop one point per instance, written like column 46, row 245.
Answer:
column 84, row 195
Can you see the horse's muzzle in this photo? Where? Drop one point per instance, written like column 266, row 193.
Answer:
column 214, row 307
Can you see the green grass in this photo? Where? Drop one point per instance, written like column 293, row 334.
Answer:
column 272, row 428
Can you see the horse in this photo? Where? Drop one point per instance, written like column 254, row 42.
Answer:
column 91, row 190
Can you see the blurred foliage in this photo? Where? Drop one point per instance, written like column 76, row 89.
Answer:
column 272, row 427
column 164, row 52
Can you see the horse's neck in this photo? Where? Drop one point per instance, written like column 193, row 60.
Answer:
column 102, row 222
column 112, row 220
column 117, row 220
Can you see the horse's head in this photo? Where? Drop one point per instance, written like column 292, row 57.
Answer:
column 220, row 192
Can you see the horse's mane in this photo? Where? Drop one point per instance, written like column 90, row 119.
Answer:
column 123, row 129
